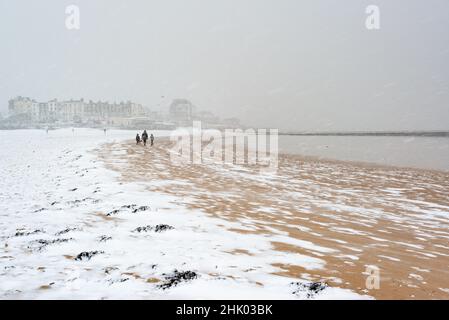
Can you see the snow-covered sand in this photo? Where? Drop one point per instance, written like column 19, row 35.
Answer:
column 346, row 216
column 69, row 228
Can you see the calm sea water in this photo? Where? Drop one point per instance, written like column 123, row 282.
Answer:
column 416, row 152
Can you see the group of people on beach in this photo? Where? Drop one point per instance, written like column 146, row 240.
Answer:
column 144, row 138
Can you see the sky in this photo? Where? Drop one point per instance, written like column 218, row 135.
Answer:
column 289, row 64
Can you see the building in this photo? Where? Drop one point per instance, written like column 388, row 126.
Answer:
column 74, row 111
column 34, row 110
column 181, row 111
column 49, row 114
column 20, row 105
column 26, row 112
column 71, row 111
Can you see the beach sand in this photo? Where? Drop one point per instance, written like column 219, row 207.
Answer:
column 350, row 215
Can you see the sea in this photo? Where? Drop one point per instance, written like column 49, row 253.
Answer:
column 415, row 152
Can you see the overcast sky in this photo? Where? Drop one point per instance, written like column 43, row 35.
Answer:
column 288, row 64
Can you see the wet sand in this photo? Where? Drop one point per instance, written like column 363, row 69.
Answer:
column 348, row 214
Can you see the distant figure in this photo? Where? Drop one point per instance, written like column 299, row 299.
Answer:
column 104, row 131
column 144, row 137
column 137, row 139
column 151, row 139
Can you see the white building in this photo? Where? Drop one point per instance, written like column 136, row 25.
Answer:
column 50, row 114
column 34, row 110
column 74, row 111
column 71, row 110
column 20, row 105
column 181, row 111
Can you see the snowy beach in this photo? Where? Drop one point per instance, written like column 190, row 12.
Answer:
column 71, row 229
column 88, row 215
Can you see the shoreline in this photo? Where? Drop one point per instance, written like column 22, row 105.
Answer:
column 363, row 164
column 333, row 196
column 98, row 217
column 329, row 160
column 72, row 229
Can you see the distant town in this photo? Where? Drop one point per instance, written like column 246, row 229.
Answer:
column 25, row 112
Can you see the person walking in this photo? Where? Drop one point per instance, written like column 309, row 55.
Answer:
column 151, row 139
column 137, row 139
column 144, row 137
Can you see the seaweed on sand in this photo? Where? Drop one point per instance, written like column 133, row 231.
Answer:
column 177, row 277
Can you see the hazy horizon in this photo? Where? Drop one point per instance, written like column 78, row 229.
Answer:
column 292, row 65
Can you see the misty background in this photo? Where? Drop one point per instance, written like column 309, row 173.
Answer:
column 288, row 64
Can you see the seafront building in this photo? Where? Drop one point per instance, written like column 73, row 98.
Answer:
column 181, row 111
column 26, row 112
column 73, row 111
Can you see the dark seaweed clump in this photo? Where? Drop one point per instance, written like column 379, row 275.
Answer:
column 177, row 277
column 64, row 231
column 141, row 208
column 157, row 228
column 104, row 238
column 42, row 243
column 26, row 233
column 310, row 288
column 87, row 255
